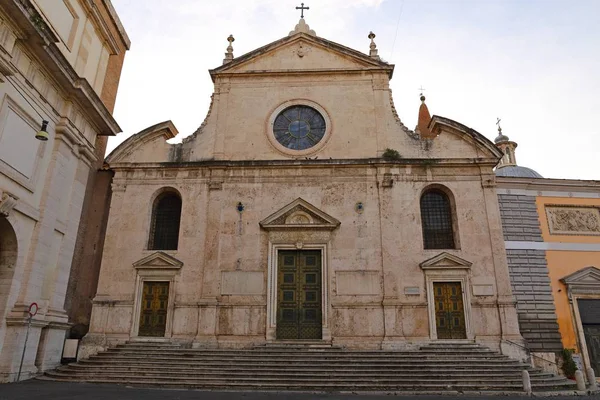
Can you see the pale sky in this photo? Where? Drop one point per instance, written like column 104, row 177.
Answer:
column 533, row 63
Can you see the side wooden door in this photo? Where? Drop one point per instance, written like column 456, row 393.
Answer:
column 449, row 310
column 153, row 314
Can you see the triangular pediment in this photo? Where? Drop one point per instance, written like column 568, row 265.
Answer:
column 299, row 214
column 158, row 260
column 301, row 52
column 588, row 275
column 446, row 261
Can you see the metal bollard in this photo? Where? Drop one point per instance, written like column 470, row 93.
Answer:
column 580, row 380
column 526, row 382
column 592, row 378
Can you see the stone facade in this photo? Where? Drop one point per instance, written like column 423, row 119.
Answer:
column 246, row 198
column 52, row 67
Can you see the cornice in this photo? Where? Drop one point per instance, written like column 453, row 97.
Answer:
column 547, row 184
column 294, row 72
column 303, row 163
column 42, row 42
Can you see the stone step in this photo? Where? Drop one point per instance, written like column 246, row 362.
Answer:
column 340, row 361
column 292, row 373
column 287, row 355
column 310, row 350
column 312, row 366
column 433, row 368
column 331, row 363
column 314, row 386
column 291, row 378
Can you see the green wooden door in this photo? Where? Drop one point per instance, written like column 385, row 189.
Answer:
column 299, row 295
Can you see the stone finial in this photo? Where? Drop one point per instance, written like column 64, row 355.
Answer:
column 302, row 27
column 229, row 55
column 7, row 203
column 373, row 47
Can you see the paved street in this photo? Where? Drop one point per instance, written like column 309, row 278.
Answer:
column 38, row 390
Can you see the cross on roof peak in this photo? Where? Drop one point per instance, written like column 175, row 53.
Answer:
column 302, row 8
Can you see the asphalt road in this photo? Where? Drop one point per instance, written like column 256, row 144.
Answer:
column 43, row 390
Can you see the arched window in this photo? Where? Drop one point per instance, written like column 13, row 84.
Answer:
column 436, row 216
column 164, row 228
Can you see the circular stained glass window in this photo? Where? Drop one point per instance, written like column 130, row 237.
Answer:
column 299, row 127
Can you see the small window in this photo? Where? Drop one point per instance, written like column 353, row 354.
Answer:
column 166, row 216
column 436, row 216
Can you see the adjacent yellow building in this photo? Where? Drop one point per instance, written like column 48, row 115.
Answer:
column 552, row 237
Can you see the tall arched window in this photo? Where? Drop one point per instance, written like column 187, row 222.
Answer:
column 436, row 216
column 164, row 228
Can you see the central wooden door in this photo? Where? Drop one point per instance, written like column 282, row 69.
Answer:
column 153, row 314
column 449, row 310
column 299, row 295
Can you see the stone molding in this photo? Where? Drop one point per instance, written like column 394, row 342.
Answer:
column 7, row 202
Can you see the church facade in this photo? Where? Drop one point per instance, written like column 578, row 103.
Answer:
column 302, row 209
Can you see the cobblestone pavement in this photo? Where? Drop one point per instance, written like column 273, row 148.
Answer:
column 43, row 390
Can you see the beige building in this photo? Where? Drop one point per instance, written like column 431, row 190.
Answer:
column 60, row 62
column 303, row 209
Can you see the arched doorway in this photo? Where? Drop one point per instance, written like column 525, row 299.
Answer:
column 8, row 261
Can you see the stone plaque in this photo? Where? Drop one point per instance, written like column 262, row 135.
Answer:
column 573, row 220
column 483, row 290
column 358, row 283
column 411, row 290
column 242, row 283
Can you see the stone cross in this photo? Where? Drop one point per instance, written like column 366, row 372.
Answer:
column 302, row 8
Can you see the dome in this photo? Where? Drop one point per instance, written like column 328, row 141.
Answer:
column 517, row 172
column 501, row 138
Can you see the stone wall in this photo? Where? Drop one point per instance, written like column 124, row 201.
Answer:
column 529, row 274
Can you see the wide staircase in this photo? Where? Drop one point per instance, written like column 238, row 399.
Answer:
column 440, row 367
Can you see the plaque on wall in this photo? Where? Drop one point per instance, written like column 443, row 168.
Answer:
column 565, row 220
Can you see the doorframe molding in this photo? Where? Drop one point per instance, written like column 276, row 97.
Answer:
column 157, row 267
column 582, row 284
column 446, row 267
column 579, row 334
column 464, row 285
column 271, row 332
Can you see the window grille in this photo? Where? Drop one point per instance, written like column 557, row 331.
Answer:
column 166, row 217
column 436, row 216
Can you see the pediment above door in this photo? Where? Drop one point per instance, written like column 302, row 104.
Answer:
column 300, row 214
column 158, row 261
column 445, row 261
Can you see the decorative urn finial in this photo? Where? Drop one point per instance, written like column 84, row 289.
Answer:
column 373, row 47
column 229, row 55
